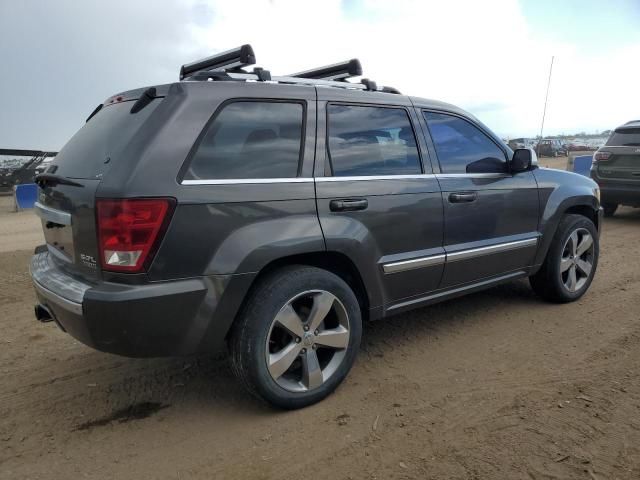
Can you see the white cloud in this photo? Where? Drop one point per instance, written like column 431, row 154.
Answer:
column 481, row 55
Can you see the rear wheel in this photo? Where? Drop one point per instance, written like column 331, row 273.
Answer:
column 609, row 209
column 571, row 262
column 297, row 337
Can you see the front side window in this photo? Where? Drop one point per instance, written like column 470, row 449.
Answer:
column 366, row 141
column 250, row 140
column 462, row 147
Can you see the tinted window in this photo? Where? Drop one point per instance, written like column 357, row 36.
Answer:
column 462, row 147
column 105, row 136
column 371, row 141
column 629, row 137
column 250, row 140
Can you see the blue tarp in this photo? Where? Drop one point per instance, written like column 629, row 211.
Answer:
column 582, row 164
column 25, row 195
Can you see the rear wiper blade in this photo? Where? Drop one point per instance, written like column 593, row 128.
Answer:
column 45, row 179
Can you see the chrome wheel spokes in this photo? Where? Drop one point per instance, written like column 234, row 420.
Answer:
column 307, row 340
column 577, row 259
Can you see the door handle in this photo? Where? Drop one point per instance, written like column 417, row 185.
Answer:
column 463, row 197
column 348, row 205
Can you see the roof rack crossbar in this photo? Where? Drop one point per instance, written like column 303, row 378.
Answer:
column 227, row 66
column 337, row 71
column 231, row 60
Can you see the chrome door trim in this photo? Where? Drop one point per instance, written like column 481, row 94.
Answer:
column 491, row 249
column 472, row 175
column 52, row 215
column 439, row 259
column 247, row 181
column 420, row 262
column 375, row 177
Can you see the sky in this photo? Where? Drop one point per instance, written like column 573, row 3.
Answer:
column 61, row 58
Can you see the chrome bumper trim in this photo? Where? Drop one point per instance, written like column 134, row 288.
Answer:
column 58, row 300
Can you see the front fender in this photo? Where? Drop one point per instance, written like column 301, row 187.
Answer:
column 559, row 192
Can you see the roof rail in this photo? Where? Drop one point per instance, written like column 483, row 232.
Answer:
column 227, row 66
column 337, row 71
column 231, row 60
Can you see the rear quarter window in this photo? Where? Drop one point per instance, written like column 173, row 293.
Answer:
column 250, row 139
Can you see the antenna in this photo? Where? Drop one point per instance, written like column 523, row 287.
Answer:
column 544, row 111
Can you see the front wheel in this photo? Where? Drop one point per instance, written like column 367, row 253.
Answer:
column 571, row 261
column 297, row 336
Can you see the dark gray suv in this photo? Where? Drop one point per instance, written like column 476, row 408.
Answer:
column 616, row 168
column 273, row 215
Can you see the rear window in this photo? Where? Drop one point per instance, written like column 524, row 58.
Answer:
column 250, row 140
column 625, row 137
column 369, row 141
column 97, row 146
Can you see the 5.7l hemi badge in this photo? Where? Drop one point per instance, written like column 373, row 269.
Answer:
column 88, row 261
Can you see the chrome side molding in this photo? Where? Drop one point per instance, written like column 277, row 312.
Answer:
column 439, row 259
column 481, row 251
column 421, row 262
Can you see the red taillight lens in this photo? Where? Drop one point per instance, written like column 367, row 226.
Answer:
column 601, row 156
column 128, row 231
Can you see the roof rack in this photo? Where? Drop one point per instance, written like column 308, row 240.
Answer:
column 337, row 71
column 228, row 66
column 231, row 60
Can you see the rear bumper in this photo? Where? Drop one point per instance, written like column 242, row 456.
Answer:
column 168, row 318
column 622, row 193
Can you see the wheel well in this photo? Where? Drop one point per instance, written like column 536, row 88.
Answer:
column 334, row 262
column 585, row 211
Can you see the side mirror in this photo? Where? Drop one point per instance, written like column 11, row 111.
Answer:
column 523, row 159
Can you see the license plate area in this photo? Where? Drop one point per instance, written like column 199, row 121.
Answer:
column 58, row 231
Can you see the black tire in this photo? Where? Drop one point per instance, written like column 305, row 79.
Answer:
column 252, row 329
column 609, row 209
column 548, row 281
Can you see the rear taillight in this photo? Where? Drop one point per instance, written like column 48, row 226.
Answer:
column 601, row 156
column 130, row 230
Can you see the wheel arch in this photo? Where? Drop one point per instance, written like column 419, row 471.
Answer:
column 586, row 206
column 334, row 262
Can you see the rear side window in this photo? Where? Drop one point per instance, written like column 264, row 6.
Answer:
column 462, row 147
column 250, row 140
column 625, row 137
column 366, row 141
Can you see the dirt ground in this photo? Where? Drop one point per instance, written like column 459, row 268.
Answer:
column 495, row 385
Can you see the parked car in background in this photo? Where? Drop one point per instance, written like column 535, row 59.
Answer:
column 516, row 143
column 551, row 147
column 275, row 217
column 616, row 168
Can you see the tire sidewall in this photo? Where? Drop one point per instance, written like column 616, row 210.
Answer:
column 571, row 224
column 260, row 315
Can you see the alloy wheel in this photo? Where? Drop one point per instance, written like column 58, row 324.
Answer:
column 577, row 259
column 307, row 341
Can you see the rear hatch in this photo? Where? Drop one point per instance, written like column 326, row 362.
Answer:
column 623, row 163
column 66, row 201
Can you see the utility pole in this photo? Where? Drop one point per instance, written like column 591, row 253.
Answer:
column 544, row 111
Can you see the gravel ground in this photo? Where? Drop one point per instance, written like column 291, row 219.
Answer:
column 494, row 385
